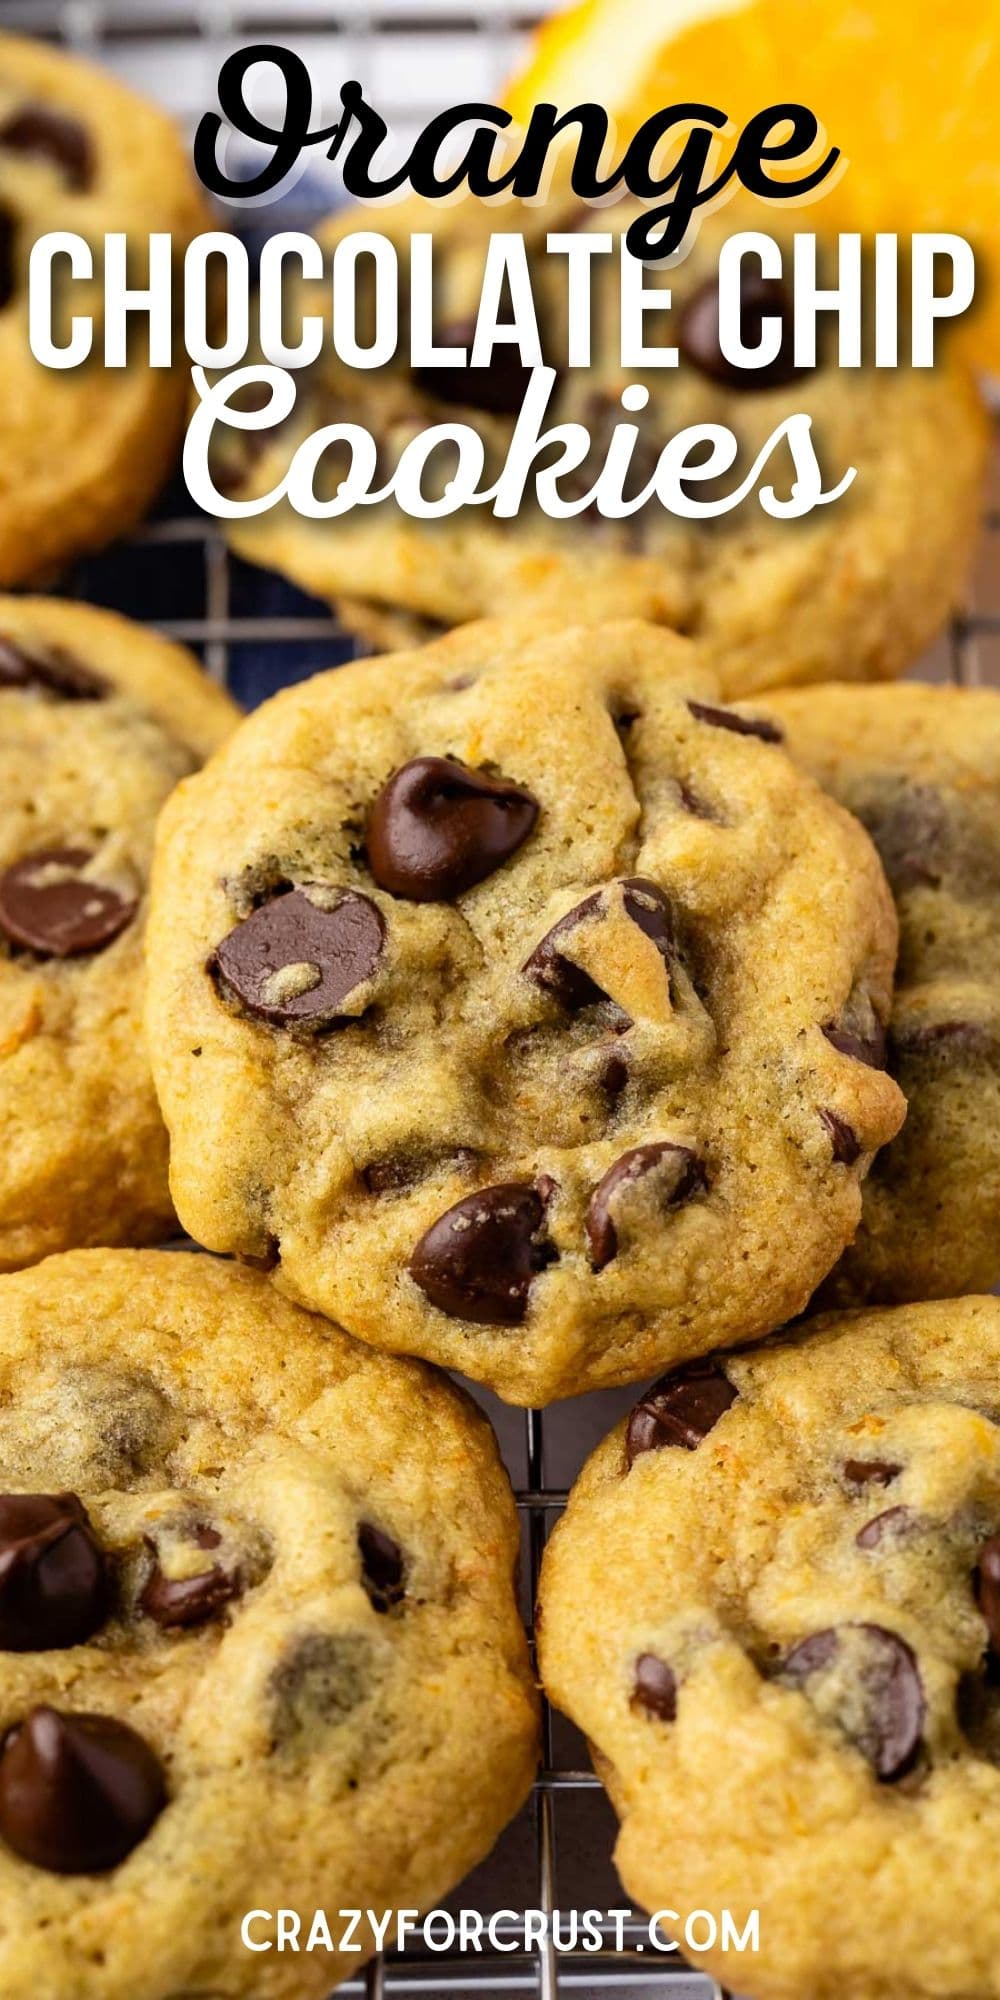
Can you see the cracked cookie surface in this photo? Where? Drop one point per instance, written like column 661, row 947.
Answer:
column 856, row 589
column 920, row 767
column 99, row 719
column 259, row 1639
column 773, row 1609
column 85, row 449
column 495, row 994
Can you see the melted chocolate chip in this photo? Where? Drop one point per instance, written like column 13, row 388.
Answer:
column 437, row 828
column 679, row 1410
column 478, row 1260
column 987, row 1585
column 889, row 1732
column 760, row 298
column 655, row 1688
column 947, row 1039
column 44, row 134
column 294, row 962
column 844, row 1140
column 909, row 826
column 50, row 669
column 573, row 988
column 868, row 1048
column 679, row 1175
column 740, row 725
column 383, row 1569
column 870, row 1471
column 888, row 1523
column 77, row 1792
column 498, row 389
column 53, row 1577
column 180, row 1602
column 8, row 243
column 46, row 905
column 613, row 1076
column 323, row 1678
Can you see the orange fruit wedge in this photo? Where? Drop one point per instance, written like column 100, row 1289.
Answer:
column 909, row 90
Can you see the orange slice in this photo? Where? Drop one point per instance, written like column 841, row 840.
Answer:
column 909, row 90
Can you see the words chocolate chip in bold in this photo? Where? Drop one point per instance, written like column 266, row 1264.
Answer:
column 655, row 1687
column 437, row 828
column 48, row 907
column 887, row 1722
column 680, row 1409
column 677, row 1174
column 53, row 1576
column 382, row 1567
column 760, row 298
column 77, row 1792
column 44, row 134
column 498, row 388
column 478, row 1260
column 294, row 961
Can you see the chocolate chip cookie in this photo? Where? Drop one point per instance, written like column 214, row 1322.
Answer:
column 920, row 766
column 85, row 449
column 99, row 718
column 856, row 589
column 259, row 1644
column 498, row 995
column 774, row 1609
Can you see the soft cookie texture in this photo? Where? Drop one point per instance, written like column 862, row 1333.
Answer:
column 84, row 450
column 920, row 766
column 99, row 718
column 854, row 590
column 259, row 1643
column 503, row 998
column 774, row 1609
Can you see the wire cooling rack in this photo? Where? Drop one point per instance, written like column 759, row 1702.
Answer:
column 255, row 633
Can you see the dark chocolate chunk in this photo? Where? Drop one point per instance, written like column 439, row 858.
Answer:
column 292, row 961
column 77, row 1792
column 679, row 1175
column 655, row 1687
column 383, row 1569
column 437, row 828
column 478, row 1260
column 888, row 1523
column 46, row 134
column 573, row 988
column 987, row 1583
column 49, row 668
column 868, row 1048
column 889, row 1734
column 498, row 389
column 53, row 1576
column 740, row 725
column 46, row 905
column 680, row 1409
column 843, row 1139
column 760, row 298
column 181, row 1602
column 870, row 1471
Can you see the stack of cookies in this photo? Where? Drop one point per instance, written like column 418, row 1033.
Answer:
column 575, row 999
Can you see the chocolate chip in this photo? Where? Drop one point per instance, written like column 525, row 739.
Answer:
column 868, row 1048
column 655, row 1688
column 8, row 245
column 945, row 1038
column 680, row 1409
column 293, row 961
column 324, row 1677
column 909, row 825
column 613, row 1076
column 893, row 1519
column 49, row 668
column 498, row 389
column 53, row 1576
column 77, row 1792
column 46, row 905
column 678, row 1172
column 740, row 725
column 45, row 134
column 180, row 1602
column 399, row 1171
column 383, row 1568
column 870, row 1471
column 987, row 1585
column 843, row 1139
column 437, row 828
column 698, row 332
column 573, row 988
column 889, row 1731
column 478, row 1260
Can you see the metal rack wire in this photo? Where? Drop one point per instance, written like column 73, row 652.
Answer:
column 255, row 632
